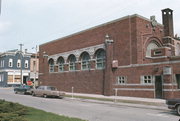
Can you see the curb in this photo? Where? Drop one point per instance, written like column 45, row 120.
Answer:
column 159, row 106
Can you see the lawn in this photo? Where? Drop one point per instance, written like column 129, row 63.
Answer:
column 15, row 112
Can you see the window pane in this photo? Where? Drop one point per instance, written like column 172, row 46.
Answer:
column 100, row 59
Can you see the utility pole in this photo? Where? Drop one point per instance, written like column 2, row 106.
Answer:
column 21, row 62
column 35, row 67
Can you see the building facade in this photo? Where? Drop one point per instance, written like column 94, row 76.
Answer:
column 12, row 63
column 133, row 56
column 34, row 68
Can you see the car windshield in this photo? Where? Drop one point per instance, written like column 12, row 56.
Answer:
column 51, row 88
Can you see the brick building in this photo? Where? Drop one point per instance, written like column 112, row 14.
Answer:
column 134, row 55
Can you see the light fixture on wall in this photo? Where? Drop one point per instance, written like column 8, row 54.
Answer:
column 45, row 55
column 108, row 40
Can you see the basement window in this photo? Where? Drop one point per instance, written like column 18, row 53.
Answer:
column 148, row 79
column 121, row 80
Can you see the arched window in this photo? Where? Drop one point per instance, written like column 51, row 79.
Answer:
column 26, row 64
column 177, row 51
column 60, row 62
column 151, row 46
column 18, row 63
column 51, row 65
column 100, row 59
column 72, row 63
column 85, row 64
column 10, row 62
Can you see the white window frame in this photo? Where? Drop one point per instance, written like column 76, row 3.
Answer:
column 61, row 65
column 85, row 65
column 10, row 62
column 147, row 79
column 18, row 63
column 72, row 66
column 121, row 80
column 51, row 68
column 26, row 64
column 100, row 61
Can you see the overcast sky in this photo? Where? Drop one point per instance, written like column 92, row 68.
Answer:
column 34, row 22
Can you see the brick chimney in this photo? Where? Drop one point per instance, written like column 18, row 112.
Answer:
column 167, row 19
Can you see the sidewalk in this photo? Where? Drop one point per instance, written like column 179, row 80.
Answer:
column 121, row 100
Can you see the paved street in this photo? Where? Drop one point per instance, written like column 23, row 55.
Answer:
column 89, row 111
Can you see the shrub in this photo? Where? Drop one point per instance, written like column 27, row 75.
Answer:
column 11, row 111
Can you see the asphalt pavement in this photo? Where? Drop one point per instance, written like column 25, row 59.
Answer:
column 95, row 110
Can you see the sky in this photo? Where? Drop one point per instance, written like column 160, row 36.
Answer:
column 34, row 22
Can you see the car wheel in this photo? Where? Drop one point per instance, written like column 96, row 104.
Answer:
column 178, row 109
column 33, row 94
column 15, row 92
column 45, row 96
column 60, row 97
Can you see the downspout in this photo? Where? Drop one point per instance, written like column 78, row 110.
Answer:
column 130, row 41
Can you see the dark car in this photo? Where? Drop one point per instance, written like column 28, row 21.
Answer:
column 24, row 89
column 174, row 104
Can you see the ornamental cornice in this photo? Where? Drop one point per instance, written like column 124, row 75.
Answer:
column 91, row 50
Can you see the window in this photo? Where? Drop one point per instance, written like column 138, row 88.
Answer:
column 18, row 63
column 51, row 65
column 85, row 64
column 26, row 64
column 121, row 80
column 10, row 62
column 1, row 78
column 100, row 59
column 147, row 79
column 158, row 52
column 177, row 50
column 151, row 46
column 34, row 65
column 3, row 63
column 60, row 64
column 178, row 80
column 72, row 62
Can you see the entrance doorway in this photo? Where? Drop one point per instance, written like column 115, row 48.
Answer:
column 25, row 79
column 158, row 87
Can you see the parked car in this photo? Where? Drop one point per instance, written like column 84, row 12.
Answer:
column 24, row 89
column 47, row 91
column 174, row 104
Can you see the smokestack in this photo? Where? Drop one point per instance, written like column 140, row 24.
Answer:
column 167, row 19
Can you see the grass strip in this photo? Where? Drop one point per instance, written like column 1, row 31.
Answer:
column 15, row 112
